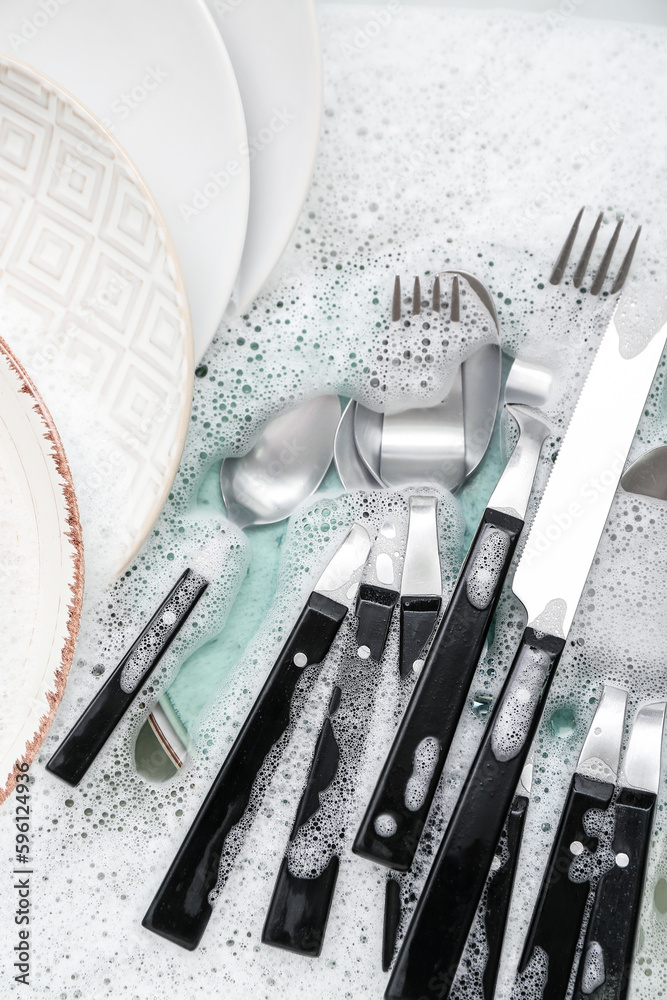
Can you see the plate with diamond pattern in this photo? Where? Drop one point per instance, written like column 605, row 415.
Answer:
column 93, row 304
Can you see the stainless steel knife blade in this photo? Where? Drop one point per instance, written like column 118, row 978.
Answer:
column 340, row 579
column 601, row 752
column 641, row 765
column 571, row 516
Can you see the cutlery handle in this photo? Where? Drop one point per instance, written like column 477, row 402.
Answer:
column 94, row 727
column 299, row 909
column 606, row 964
column 438, row 932
column 561, row 906
column 395, row 817
column 499, row 895
column 181, row 908
column 392, row 920
column 374, row 610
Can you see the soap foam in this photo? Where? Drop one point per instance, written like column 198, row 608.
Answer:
column 477, row 160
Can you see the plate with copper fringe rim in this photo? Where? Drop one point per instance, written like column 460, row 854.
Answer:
column 41, row 570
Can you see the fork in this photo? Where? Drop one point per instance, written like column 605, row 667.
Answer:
column 394, row 821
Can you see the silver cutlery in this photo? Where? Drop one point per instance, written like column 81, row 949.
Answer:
column 303, row 892
column 439, row 695
column 284, row 467
column 181, row 908
column 441, row 444
column 549, row 580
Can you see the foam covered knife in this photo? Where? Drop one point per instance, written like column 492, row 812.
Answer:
column 439, row 695
column 299, row 909
column 611, row 935
column 181, row 908
column 549, row 581
column 556, row 924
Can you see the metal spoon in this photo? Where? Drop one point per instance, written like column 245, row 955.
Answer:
column 285, row 466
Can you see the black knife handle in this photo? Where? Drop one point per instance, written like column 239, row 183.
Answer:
column 561, row 906
column 418, row 618
column 606, row 964
column 499, row 895
column 437, row 934
column 181, row 909
column 88, row 735
column 392, row 920
column 439, row 695
column 374, row 609
column 299, row 909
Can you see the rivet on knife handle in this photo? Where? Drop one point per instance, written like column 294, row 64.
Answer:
column 438, row 699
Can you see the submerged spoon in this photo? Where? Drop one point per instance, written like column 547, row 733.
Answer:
column 284, row 467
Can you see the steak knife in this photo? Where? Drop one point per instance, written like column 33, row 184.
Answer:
column 556, row 924
column 611, row 935
column 181, row 908
column 299, row 909
column 549, row 581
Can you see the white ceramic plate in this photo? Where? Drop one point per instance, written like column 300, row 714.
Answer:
column 156, row 73
column 93, row 304
column 41, row 570
column 275, row 50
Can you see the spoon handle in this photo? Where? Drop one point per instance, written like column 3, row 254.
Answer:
column 94, row 727
column 182, row 907
column 395, row 817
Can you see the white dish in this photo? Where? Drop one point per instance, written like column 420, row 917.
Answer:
column 41, row 570
column 93, row 304
column 156, row 73
column 274, row 46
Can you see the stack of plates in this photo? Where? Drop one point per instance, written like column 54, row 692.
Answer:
column 154, row 158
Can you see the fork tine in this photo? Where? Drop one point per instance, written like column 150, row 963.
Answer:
column 586, row 255
column 396, row 303
column 455, row 311
column 436, row 294
column 596, row 287
column 564, row 255
column 416, row 298
column 627, row 261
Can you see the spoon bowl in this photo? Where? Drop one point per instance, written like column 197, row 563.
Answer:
column 284, row 467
